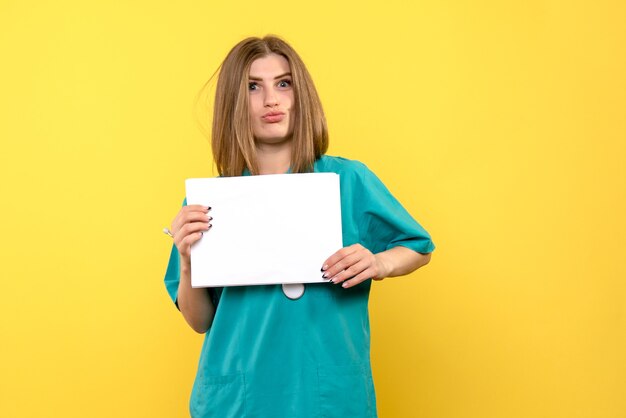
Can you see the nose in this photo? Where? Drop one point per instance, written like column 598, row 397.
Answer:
column 271, row 98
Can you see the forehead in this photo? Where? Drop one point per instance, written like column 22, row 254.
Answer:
column 269, row 66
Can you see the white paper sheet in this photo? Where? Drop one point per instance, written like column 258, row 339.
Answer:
column 266, row 229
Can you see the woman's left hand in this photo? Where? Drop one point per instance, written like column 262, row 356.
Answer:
column 352, row 265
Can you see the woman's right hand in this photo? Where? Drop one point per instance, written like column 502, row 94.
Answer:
column 188, row 226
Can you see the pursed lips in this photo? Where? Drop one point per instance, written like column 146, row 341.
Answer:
column 273, row 117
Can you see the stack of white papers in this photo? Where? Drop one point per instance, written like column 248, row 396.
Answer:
column 266, row 229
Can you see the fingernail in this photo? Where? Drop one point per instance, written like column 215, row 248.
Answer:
column 210, row 218
column 325, row 275
column 331, row 281
column 344, row 284
column 325, row 267
column 210, row 225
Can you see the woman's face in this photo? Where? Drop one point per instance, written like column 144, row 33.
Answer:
column 271, row 99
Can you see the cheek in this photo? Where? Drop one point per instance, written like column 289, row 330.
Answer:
column 253, row 105
column 290, row 100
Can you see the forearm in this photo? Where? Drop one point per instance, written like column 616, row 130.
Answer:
column 194, row 303
column 399, row 261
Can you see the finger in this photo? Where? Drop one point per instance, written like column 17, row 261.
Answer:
column 190, row 218
column 351, row 271
column 190, row 228
column 189, row 241
column 195, row 231
column 361, row 277
column 189, row 209
column 345, row 251
column 183, row 216
column 201, row 208
column 342, row 264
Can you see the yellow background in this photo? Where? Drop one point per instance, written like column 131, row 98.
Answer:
column 500, row 125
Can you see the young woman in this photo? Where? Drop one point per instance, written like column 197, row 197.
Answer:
column 266, row 355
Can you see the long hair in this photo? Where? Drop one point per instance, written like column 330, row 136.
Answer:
column 232, row 139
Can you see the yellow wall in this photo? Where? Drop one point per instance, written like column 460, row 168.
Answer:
column 500, row 125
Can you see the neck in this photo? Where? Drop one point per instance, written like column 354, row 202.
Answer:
column 274, row 158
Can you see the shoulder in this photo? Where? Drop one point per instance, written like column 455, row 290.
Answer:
column 355, row 176
column 342, row 166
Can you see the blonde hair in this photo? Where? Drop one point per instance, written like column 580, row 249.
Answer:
column 232, row 138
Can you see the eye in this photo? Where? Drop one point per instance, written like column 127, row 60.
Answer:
column 252, row 86
column 284, row 83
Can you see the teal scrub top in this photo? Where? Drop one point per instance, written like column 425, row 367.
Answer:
column 266, row 356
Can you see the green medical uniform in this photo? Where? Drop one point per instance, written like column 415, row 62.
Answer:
column 266, row 356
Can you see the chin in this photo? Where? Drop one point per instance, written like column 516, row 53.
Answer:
column 278, row 139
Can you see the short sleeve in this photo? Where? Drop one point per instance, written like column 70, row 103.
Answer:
column 383, row 222
column 172, row 277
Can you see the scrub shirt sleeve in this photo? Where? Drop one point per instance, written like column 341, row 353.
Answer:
column 384, row 222
column 172, row 277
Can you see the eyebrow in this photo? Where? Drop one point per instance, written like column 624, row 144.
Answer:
column 275, row 78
